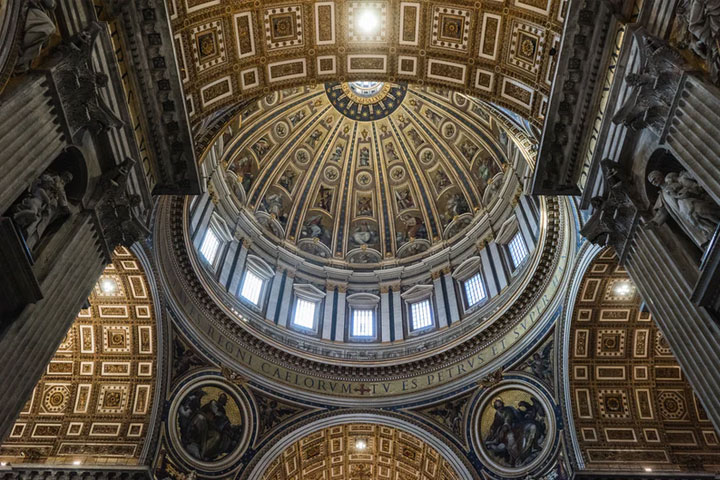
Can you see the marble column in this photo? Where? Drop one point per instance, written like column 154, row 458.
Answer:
column 454, row 313
column 397, row 309
column 442, row 316
column 235, row 273
column 66, row 270
column 665, row 280
column 278, row 282
column 340, row 317
column 327, row 326
column 31, row 136
column 693, row 132
column 385, row 315
column 286, row 300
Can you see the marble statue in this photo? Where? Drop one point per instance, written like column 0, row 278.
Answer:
column 39, row 26
column 44, row 201
column 701, row 21
column 683, row 199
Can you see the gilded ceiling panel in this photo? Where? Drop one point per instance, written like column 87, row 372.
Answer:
column 631, row 403
column 501, row 51
column 93, row 404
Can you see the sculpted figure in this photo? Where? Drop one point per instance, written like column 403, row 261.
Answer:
column 701, row 20
column 39, row 26
column 683, row 199
column 44, row 201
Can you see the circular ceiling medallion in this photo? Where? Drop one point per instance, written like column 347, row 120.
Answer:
column 209, row 423
column 365, row 101
column 514, row 428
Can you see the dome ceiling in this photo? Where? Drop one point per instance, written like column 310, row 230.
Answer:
column 366, row 173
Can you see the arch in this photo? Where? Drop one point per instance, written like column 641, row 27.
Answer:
column 263, row 458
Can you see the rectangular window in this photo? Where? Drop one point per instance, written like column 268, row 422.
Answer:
column 475, row 290
column 304, row 314
column 210, row 246
column 518, row 250
column 362, row 323
column 252, row 285
column 420, row 315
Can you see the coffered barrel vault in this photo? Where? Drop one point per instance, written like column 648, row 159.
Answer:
column 500, row 51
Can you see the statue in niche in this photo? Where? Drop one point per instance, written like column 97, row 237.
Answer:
column 517, row 434
column 44, row 201
column 700, row 20
column 207, row 430
column 683, row 199
column 39, row 26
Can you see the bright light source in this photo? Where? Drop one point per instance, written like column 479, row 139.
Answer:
column 648, row 469
column 108, row 286
column 368, row 21
column 77, row 462
column 3, row 464
column 360, row 444
column 623, row 288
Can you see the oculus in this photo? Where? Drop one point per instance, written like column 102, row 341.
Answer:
column 366, row 101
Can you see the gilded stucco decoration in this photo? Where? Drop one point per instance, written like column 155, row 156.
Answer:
column 331, row 184
column 359, row 451
column 631, row 403
column 94, row 401
column 500, row 51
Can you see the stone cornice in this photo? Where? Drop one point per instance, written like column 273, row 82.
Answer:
column 179, row 271
column 48, row 472
column 150, row 45
column 573, row 97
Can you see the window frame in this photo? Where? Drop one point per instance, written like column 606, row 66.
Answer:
column 417, row 294
column 308, row 293
column 466, row 299
column 521, row 239
column 211, row 230
column 261, row 269
column 362, row 302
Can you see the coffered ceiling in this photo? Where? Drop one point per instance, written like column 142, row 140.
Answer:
column 502, row 51
column 632, row 406
column 93, row 404
column 359, row 452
